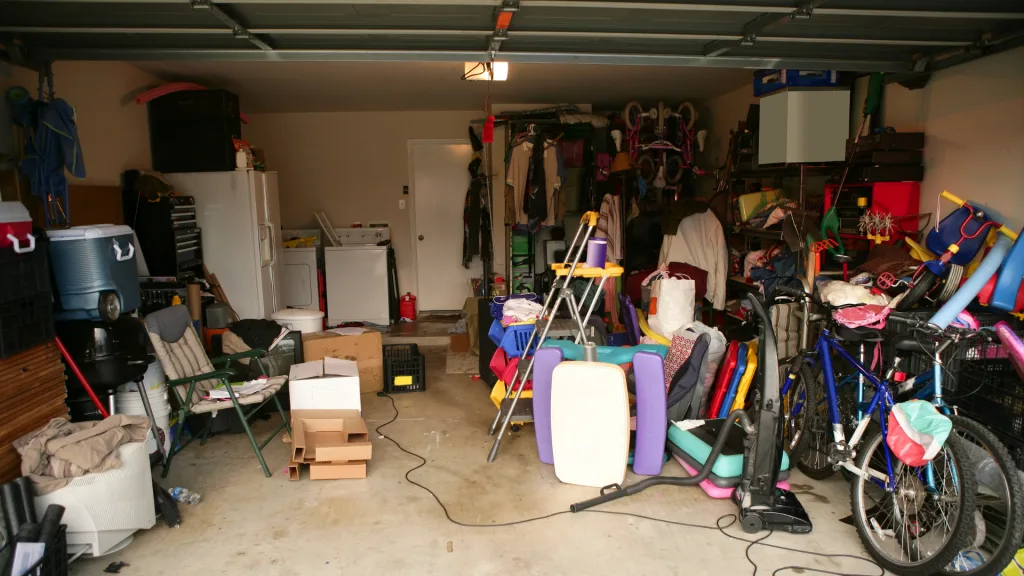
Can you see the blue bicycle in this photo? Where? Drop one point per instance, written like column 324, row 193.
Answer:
column 999, row 496
column 912, row 520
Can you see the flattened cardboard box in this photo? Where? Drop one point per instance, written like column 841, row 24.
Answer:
column 334, row 443
column 366, row 349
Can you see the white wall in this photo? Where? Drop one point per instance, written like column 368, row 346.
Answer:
column 113, row 129
column 973, row 119
column 351, row 165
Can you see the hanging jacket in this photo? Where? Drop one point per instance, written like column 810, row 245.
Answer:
column 700, row 241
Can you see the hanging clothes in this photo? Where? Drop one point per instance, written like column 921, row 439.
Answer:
column 700, row 241
column 518, row 176
column 471, row 214
column 609, row 225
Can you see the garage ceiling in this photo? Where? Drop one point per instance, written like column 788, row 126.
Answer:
column 901, row 36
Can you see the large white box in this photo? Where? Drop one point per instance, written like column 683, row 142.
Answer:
column 327, row 384
column 804, row 126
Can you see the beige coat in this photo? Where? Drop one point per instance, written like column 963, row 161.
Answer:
column 700, row 241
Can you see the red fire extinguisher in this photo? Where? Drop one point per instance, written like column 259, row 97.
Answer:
column 407, row 307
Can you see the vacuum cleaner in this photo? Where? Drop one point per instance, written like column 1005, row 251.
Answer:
column 762, row 505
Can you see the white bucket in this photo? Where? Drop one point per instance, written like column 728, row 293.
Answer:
column 305, row 321
column 128, row 401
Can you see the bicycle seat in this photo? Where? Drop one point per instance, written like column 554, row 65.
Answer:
column 861, row 334
column 912, row 344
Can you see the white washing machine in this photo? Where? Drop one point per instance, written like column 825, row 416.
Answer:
column 357, row 276
column 302, row 271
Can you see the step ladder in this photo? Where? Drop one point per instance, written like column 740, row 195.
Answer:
column 561, row 292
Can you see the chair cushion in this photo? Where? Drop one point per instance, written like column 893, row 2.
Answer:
column 182, row 359
column 204, row 406
column 169, row 323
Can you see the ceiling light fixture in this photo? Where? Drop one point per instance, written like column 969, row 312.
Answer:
column 497, row 71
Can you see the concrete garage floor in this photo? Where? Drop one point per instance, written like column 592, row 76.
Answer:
column 249, row 524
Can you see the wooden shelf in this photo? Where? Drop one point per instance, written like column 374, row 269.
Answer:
column 787, row 170
column 759, row 232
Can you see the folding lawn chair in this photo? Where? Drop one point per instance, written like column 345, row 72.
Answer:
column 191, row 373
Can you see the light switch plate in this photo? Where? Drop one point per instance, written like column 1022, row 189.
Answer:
column 401, row 204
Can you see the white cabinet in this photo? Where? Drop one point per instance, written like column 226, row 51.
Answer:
column 804, row 126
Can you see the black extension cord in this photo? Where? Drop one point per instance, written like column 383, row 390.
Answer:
column 719, row 526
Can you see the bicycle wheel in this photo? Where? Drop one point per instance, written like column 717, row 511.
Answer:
column 920, row 526
column 688, row 115
column 998, row 504
column 647, row 167
column 632, row 114
column 806, row 425
column 925, row 281
column 673, row 168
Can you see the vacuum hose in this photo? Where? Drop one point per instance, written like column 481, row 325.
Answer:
column 614, row 491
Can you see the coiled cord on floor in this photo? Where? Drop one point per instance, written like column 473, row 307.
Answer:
column 719, row 525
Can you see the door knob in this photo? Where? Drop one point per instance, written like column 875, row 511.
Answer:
column 421, row 237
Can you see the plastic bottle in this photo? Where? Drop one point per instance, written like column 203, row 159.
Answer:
column 185, row 496
column 989, row 476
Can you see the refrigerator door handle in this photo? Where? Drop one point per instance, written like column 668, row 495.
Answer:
column 266, row 258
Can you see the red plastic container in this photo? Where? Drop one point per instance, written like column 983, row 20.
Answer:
column 16, row 228
column 407, row 307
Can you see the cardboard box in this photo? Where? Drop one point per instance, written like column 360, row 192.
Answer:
column 337, row 471
column 459, row 343
column 365, row 349
column 326, row 384
column 329, row 436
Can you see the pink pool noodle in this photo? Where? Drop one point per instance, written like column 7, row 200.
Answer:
column 1014, row 346
column 172, row 87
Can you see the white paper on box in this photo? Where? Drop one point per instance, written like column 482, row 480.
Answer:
column 328, row 384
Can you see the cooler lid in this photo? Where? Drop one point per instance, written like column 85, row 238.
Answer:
column 13, row 212
column 89, row 232
column 297, row 314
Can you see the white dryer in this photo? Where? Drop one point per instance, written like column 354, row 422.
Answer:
column 302, row 270
column 360, row 283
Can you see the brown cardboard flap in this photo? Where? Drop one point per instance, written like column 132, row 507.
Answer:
column 337, row 470
column 366, row 349
column 329, row 436
column 344, row 452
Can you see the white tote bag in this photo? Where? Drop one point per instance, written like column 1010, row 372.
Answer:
column 672, row 302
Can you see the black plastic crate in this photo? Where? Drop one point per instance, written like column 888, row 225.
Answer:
column 25, row 322
column 26, row 274
column 404, row 369
column 972, row 355
column 993, row 393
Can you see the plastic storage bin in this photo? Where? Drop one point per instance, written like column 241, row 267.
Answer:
column 94, row 272
column 768, row 81
column 25, row 322
column 23, row 264
column 404, row 369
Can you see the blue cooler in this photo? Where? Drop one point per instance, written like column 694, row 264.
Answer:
column 94, row 271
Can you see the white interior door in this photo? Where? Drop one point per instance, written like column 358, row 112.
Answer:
column 440, row 178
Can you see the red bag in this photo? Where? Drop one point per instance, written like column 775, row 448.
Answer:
column 572, row 153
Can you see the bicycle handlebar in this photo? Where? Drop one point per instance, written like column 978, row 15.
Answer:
column 960, row 202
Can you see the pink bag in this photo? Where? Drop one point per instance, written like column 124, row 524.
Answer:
column 866, row 316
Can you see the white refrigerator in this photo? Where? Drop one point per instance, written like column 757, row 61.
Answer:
column 240, row 216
